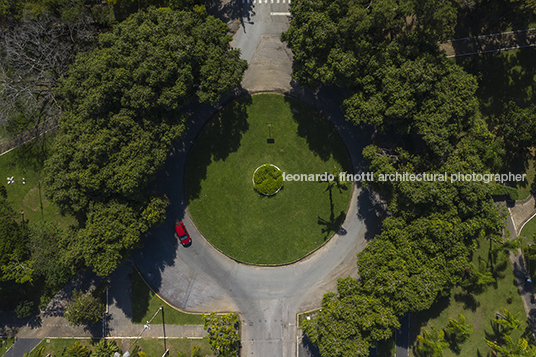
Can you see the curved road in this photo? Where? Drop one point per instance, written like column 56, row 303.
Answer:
column 201, row 279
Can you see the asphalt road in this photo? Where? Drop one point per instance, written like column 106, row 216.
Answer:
column 200, row 278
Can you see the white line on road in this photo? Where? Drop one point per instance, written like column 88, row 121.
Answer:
column 280, row 14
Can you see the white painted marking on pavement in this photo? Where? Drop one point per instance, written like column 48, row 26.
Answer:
column 280, row 14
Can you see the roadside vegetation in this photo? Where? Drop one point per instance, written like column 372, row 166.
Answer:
column 145, row 303
column 479, row 304
column 403, row 85
column 116, row 76
column 144, row 347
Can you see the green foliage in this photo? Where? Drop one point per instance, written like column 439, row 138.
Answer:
column 77, row 350
column 83, row 309
column 517, row 127
column 181, row 354
column 54, row 258
column 333, row 328
column 507, row 321
column 477, row 278
column 124, row 104
column 511, row 193
column 196, row 351
column 223, row 333
column 38, row 352
column 519, row 348
column 268, row 179
column 458, row 329
column 24, row 309
column 434, row 99
column 431, row 344
column 14, row 255
column 340, row 42
column 105, row 348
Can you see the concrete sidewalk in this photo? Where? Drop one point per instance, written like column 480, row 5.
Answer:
column 118, row 322
column 520, row 213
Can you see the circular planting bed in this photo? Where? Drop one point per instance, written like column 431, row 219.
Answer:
column 268, row 179
column 256, row 225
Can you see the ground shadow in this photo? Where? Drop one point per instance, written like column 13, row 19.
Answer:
column 372, row 211
column 307, row 348
column 322, row 138
column 231, row 12
column 220, row 136
column 421, row 318
column 141, row 295
column 120, row 292
column 489, row 17
column 468, row 299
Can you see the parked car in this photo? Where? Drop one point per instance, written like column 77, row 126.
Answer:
column 183, row 235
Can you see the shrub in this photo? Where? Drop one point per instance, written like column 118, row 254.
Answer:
column 267, row 179
column 196, row 351
column 83, row 309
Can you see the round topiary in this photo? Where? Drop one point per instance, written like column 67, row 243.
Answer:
column 267, row 179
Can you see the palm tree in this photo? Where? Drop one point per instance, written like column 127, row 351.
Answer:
column 105, row 348
column 520, row 348
column 431, row 344
column 459, row 329
column 477, row 278
column 508, row 321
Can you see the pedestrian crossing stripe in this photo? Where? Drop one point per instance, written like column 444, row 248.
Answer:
column 265, row 1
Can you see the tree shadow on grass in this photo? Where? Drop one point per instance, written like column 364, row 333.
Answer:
column 322, row 138
column 332, row 224
column 468, row 299
column 421, row 318
column 220, row 136
column 33, row 154
column 141, row 294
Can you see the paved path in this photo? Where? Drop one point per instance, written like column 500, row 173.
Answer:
column 201, row 279
column 520, row 213
column 489, row 43
column 118, row 323
column 22, row 346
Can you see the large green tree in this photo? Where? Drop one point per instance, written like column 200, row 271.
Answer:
column 124, row 105
column 338, row 42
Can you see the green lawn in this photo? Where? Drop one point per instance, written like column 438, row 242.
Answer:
column 221, row 198
column 155, row 348
column 8, row 343
column 529, row 229
column 151, row 346
column 27, row 162
column 145, row 303
column 479, row 309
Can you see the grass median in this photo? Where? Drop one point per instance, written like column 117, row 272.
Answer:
column 250, row 227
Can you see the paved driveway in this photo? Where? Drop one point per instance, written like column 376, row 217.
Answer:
column 200, row 278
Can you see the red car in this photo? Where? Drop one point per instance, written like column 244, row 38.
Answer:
column 184, row 237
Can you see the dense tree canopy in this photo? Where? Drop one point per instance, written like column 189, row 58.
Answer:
column 338, row 42
column 386, row 53
column 123, row 105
